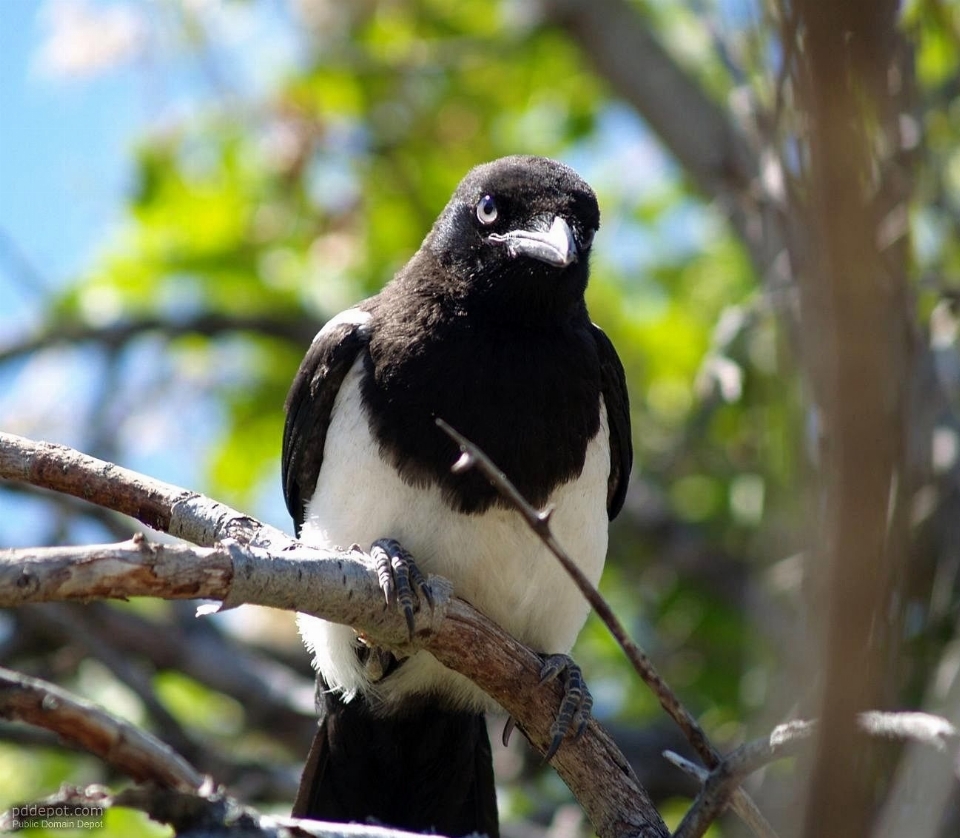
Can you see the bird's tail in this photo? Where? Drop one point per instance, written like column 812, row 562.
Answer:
column 429, row 769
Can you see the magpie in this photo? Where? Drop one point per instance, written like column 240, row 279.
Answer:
column 485, row 327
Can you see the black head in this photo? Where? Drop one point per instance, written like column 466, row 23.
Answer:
column 517, row 234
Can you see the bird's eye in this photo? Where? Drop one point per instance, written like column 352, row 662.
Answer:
column 487, row 210
column 586, row 240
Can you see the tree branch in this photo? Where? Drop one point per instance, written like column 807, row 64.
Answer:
column 161, row 506
column 118, row 743
column 248, row 562
column 858, row 353
column 722, row 783
column 296, row 331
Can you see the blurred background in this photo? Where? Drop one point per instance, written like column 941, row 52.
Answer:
column 189, row 188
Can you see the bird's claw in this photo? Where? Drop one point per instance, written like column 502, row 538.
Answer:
column 577, row 703
column 508, row 728
column 400, row 579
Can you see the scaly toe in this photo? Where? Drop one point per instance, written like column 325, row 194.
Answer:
column 400, row 579
column 576, row 705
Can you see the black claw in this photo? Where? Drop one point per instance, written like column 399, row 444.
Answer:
column 401, row 575
column 553, row 666
column 576, row 706
column 554, row 746
column 583, row 715
column 418, row 580
column 381, row 561
column 507, row 730
column 400, row 579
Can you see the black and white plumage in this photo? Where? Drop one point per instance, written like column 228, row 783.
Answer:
column 485, row 327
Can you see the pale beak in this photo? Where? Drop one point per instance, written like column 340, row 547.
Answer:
column 555, row 246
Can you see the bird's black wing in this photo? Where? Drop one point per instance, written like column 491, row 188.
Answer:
column 310, row 404
column 614, row 384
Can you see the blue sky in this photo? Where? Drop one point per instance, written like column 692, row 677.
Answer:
column 64, row 164
column 66, row 140
column 64, row 151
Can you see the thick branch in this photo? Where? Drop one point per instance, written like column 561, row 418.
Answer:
column 161, row 506
column 857, row 354
column 341, row 587
column 338, row 586
column 112, row 571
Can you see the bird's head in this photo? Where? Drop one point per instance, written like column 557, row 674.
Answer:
column 519, row 229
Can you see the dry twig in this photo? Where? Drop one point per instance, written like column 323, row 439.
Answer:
column 539, row 522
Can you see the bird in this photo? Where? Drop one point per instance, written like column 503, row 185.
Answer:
column 485, row 327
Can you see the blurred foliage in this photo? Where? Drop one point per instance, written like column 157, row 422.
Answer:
column 279, row 207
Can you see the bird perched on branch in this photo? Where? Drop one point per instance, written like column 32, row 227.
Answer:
column 486, row 328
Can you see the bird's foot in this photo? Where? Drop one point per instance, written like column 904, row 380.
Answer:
column 577, row 703
column 400, row 579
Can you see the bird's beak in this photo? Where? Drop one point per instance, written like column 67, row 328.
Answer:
column 555, row 245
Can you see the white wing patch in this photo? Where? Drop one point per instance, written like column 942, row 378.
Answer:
column 494, row 560
column 350, row 317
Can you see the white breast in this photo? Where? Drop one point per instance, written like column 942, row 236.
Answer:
column 493, row 559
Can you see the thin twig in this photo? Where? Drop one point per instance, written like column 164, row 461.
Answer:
column 784, row 741
column 539, row 522
column 117, row 335
column 704, row 817
column 472, row 456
